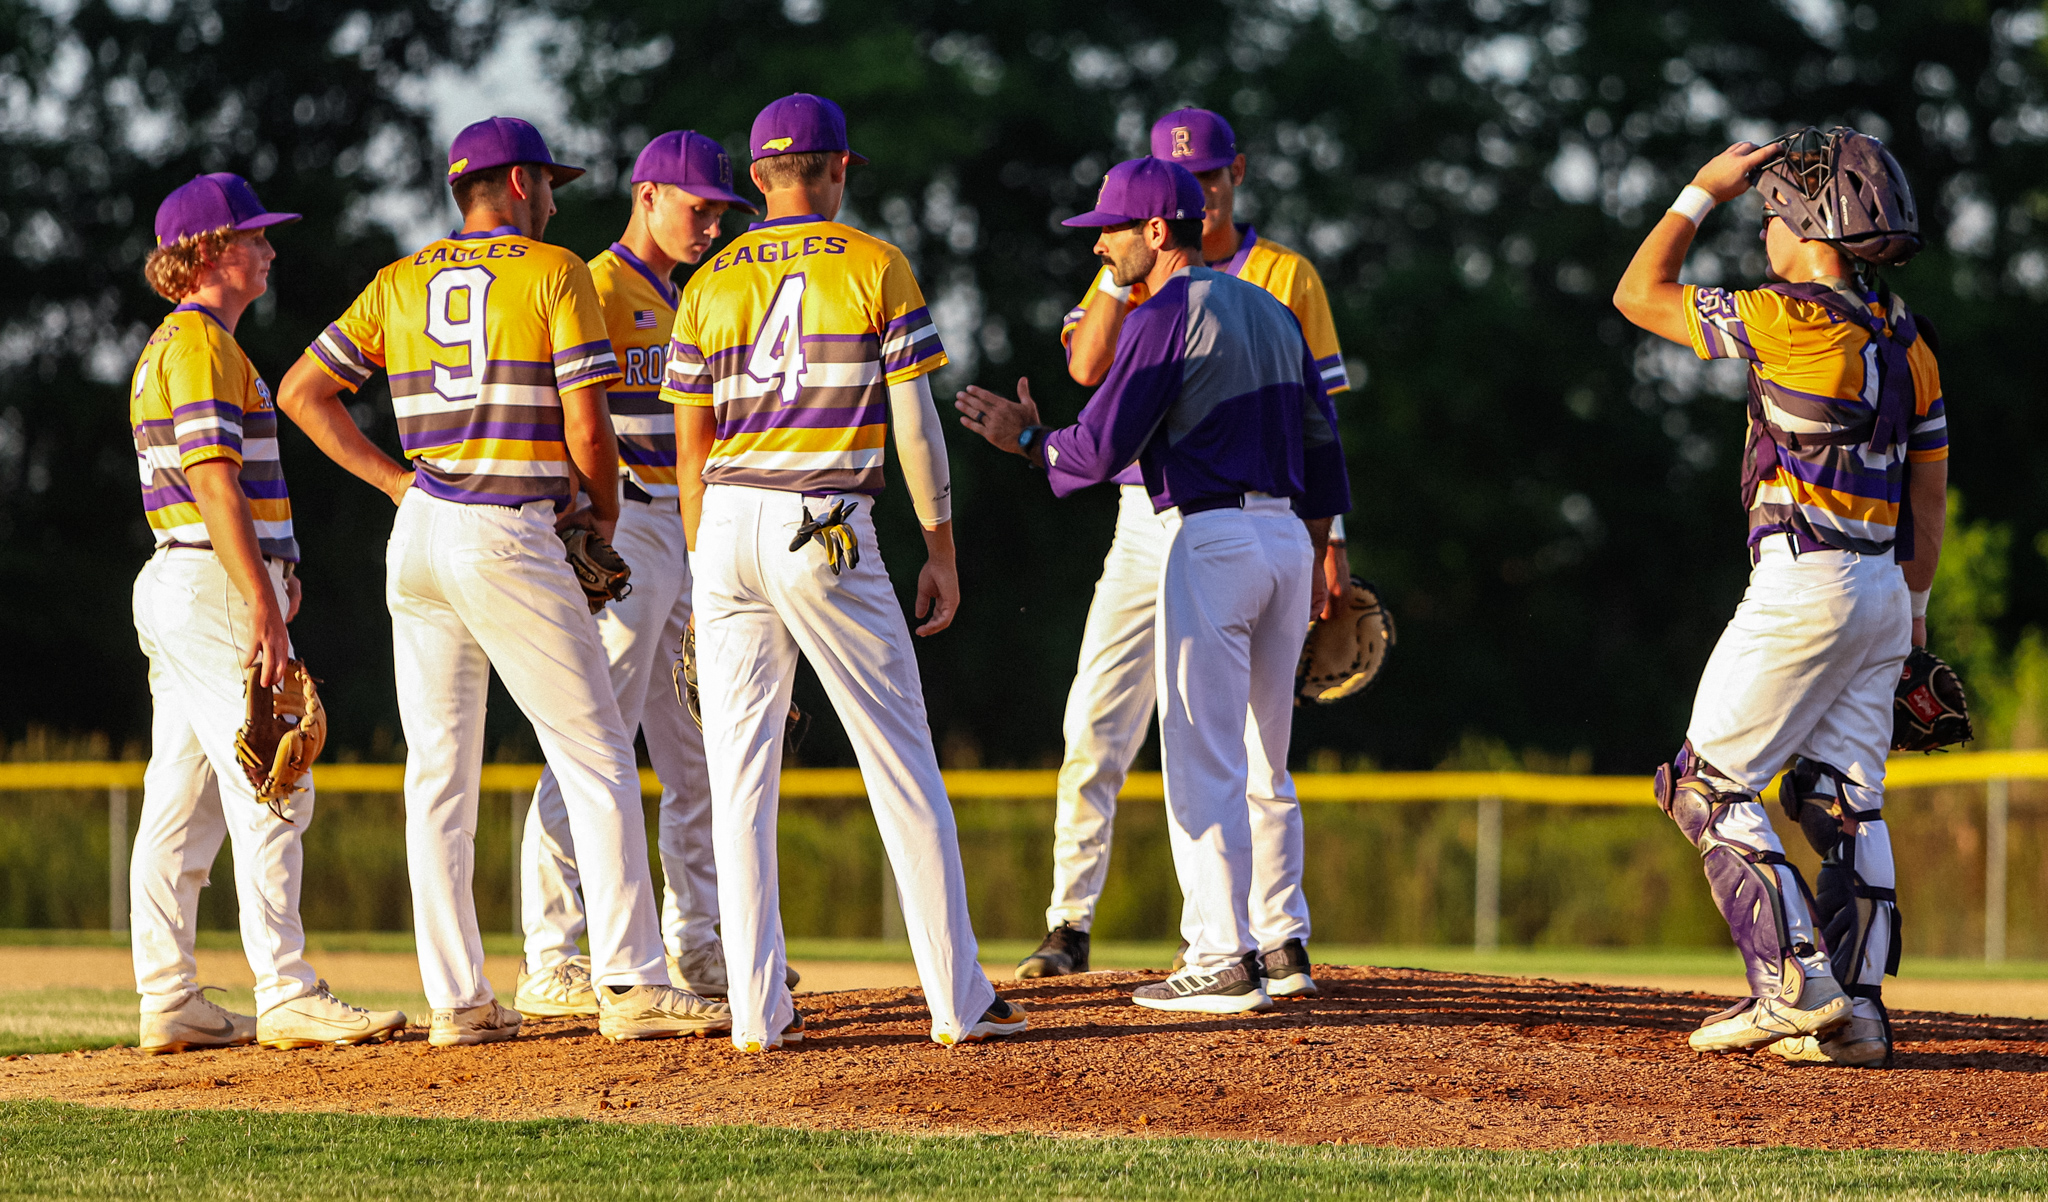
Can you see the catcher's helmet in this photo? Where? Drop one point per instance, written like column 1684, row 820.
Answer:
column 1844, row 188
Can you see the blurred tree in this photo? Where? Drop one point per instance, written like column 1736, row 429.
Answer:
column 103, row 110
column 1547, row 497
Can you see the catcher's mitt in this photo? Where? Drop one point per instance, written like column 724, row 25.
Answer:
column 283, row 735
column 685, row 673
column 1929, row 711
column 599, row 569
column 1344, row 655
column 833, row 533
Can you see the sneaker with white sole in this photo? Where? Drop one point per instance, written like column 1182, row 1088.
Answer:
column 1755, row 1022
column 1863, row 1042
column 195, row 1024
column 1232, row 990
column 487, row 1023
column 563, row 991
column 793, row 1033
column 1286, row 969
column 701, row 970
column 320, row 1019
column 658, row 1012
column 1000, row 1019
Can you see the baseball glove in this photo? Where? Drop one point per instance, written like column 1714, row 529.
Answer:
column 599, row 569
column 1344, row 655
column 833, row 533
column 283, row 734
column 685, row 673
column 1929, row 711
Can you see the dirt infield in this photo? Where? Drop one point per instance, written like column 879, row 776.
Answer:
column 1385, row 1056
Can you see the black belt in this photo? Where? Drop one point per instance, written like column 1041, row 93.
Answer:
column 634, row 492
column 1233, row 500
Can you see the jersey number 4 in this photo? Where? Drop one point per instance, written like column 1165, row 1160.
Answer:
column 457, row 298
column 778, row 351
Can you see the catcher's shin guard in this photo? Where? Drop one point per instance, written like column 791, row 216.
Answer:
column 1760, row 893
column 1855, row 901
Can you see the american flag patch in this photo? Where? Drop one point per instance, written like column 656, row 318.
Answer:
column 643, row 319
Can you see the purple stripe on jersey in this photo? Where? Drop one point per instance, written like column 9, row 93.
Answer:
column 662, row 288
column 512, row 491
column 413, row 440
column 258, row 489
column 222, row 411
column 1843, row 474
column 647, row 454
column 1235, row 264
column 213, row 436
column 684, row 352
column 587, row 350
column 916, row 319
column 346, row 344
column 805, row 418
column 166, row 495
column 1327, row 362
column 346, row 371
column 598, row 373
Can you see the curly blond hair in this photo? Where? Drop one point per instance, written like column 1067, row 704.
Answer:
column 174, row 270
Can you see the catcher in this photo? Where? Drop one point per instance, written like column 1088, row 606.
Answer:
column 1845, row 481
column 210, row 611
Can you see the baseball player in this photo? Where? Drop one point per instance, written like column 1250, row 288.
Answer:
column 213, row 601
column 498, row 358
column 1110, row 704
column 795, row 347
column 1217, row 398
column 1845, row 479
column 682, row 186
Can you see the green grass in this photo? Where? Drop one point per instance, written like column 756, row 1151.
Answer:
column 61, row 1019
column 53, row 1150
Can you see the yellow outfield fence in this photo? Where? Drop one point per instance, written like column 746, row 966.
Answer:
column 1904, row 772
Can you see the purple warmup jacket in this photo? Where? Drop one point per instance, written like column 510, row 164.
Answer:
column 1213, row 393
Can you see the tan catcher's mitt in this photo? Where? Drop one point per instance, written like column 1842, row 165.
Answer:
column 283, row 735
column 1343, row 655
column 601, row 570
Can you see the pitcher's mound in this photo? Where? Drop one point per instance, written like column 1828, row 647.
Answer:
column 1383, row 1056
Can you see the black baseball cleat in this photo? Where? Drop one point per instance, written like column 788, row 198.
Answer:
column 1063, row 953
column 1287, row 970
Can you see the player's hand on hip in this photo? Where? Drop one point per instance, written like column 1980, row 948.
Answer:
column 938, row 595
column 292, row 594
column 1726, row 175
column 396, row 487
column 995, row 417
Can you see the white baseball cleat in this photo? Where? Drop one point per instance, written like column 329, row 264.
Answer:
column 488, row 1023
column 560, row 992
column 658, row 1012
column 1861, row 1043
column 195, row 1024
column 1755, row 1022
column 321, row 1020
column 701, row 970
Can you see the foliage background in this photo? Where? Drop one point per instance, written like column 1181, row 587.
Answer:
column 1546, row 496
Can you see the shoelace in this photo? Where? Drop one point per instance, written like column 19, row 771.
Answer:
column 212, row 1005
column 323, row 995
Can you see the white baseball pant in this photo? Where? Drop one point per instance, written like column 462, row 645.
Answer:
column 758, row 606
column 641, row 634
column 1108, row 709
column 1233, row 611
column 195, row 628
column 1808, row 666
column 477, row 587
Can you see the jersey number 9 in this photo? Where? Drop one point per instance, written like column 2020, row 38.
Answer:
column 457, row 298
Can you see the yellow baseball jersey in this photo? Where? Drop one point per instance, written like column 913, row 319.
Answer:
column 196, row 397
column 1817, row 373
column 639, row 313
column 792, row 335
column 1287, row 274
column 481, row 334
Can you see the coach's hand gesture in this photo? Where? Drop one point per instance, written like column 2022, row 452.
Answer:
column 997, row 418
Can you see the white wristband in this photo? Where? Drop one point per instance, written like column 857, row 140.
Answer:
column 1694, row 204
column 1920, row 601
column 1106, row 283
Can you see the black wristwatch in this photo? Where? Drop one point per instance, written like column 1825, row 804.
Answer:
column 1030, row 439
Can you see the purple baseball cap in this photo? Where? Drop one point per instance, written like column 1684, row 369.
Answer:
column 222, row 200
column 692, row 162
column 799, row 124
column 498, row 142
column 1138, row 189
column 1197, row 139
